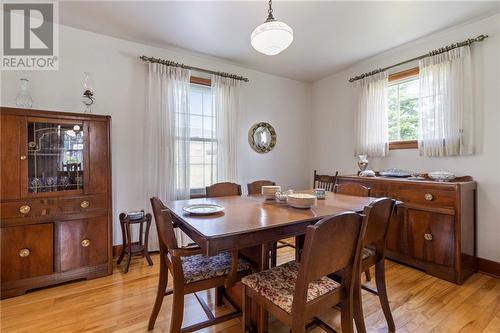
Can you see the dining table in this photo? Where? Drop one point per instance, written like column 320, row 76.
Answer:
column 252, row 223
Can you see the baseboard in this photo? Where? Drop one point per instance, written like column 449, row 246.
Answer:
column 489, row 267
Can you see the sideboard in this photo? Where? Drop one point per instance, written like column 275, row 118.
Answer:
column 435, row 229
column 55, row 204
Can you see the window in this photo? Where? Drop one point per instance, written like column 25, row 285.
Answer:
column 403, row 94
column 203, row 144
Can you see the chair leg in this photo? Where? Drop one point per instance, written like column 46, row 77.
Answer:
column 274, row 254
column 346, row 316
column 246, row 321
column 368, row 275
column 160, row 294
column 177, row 312
column 219, row 299
column 358, row 308
column 382, row 294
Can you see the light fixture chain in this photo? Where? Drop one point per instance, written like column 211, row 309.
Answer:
column 270, row 10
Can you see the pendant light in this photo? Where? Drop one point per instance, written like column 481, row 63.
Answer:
column 271, row 37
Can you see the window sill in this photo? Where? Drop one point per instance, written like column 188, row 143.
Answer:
column 410, row 144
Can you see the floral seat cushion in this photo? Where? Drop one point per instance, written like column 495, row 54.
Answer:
column 278, row 285
column 200, row 267
column 367, row 252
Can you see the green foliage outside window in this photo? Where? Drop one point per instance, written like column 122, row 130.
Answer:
column 403, row 110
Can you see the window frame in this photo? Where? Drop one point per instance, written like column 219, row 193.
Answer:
column 403, row 75
column 199, row 192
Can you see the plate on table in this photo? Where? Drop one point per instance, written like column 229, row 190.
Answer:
column 203, row 209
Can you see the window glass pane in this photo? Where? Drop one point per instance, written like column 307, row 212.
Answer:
column 196, row 152
column 403, row 110
column 196, row 176
column 207, row 103
column 196, row 125
column 196, row 102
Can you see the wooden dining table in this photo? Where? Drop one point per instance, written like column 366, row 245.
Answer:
column 252, row 223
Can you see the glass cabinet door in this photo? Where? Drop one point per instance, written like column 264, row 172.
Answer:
column 55, row 156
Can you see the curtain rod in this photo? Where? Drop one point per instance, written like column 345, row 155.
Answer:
column 447, row 48
column 176, row 64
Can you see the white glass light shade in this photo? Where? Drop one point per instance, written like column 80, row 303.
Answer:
column 272, row 37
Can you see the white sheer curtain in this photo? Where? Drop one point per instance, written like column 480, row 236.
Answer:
column 226, row 104
column 445, row 104
column 372, row 133
column 166, row 142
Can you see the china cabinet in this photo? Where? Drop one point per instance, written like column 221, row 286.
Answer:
column 55, row 198
column 436, row 228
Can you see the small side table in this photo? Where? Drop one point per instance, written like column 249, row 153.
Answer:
column 132, row 248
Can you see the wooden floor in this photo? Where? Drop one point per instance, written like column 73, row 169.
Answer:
column 122, row 303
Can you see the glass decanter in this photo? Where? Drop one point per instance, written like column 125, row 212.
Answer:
column 23, row 98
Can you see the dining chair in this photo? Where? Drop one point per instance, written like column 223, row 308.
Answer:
column 373, row 254
column 325, row 181
column 192, row 272
column 256, row 186
column 357, row 190
column 223, row 190
column 295, row 293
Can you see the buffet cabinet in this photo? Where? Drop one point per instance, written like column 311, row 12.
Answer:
column 55, row 207
column 434, row 229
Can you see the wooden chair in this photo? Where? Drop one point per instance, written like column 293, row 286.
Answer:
column 191, row 272
column 373, row 254
column 352, row 189
column 223, row 190
column 256, row 186
column 296, row 293
column 325, row 181
column 358, row 191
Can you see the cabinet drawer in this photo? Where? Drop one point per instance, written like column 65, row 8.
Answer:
column 433, row 197
column 27, row 251
column 82, row 203
column 28, row 208
column 81, row 243
column 431, row 237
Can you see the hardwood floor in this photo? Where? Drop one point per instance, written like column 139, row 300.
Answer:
column 122, row 303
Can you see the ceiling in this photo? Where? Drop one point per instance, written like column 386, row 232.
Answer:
column 328, row 36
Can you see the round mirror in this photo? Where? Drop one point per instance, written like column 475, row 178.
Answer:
column 262, row 137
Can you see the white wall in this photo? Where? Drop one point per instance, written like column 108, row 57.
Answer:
column 334, row 102
column 120, row 79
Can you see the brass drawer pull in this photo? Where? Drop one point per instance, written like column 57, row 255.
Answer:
column 23, row 253
column 428, row 237
column 428, row 197
column 84, row 204
column 85, row 242
column 24, row 209
column 23, row 157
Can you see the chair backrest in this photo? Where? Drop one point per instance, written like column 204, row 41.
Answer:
column 352, row 189
column 164, row 225
column 325, row 181
column 223, row 190
column 341, row 235
column 256, row 186
column 378, row 222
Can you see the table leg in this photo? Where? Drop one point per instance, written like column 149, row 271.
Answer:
column 262, row 315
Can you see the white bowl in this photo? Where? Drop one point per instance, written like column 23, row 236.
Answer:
column 442, row 176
